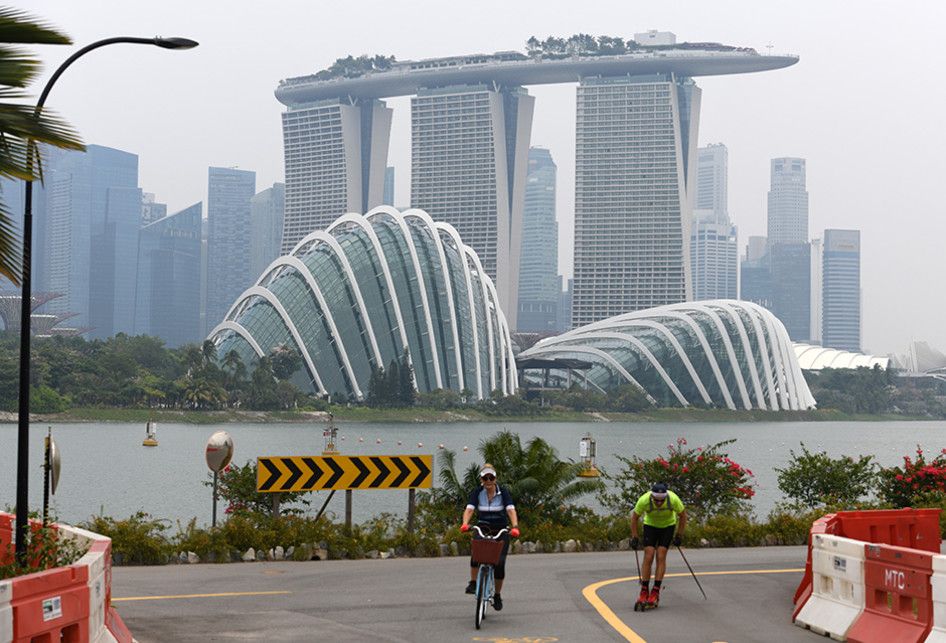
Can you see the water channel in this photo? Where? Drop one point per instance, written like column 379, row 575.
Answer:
column 106, row 469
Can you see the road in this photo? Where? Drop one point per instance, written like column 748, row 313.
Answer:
column 549, row 597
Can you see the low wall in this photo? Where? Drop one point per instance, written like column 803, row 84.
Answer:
column 70, row 604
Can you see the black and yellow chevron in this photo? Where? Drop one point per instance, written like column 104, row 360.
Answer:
column 276, row 474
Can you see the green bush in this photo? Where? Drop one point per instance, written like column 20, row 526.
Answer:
column 138, row 540
column 706, row 479
column 45, row 549
column 816, row 479
column 237, row 486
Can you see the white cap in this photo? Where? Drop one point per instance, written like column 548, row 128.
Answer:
column 487, row 470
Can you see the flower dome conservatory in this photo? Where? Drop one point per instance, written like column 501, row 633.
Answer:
column 721, row 353
column 356, row 295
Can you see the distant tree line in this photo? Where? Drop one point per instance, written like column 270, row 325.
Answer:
column 582, row 44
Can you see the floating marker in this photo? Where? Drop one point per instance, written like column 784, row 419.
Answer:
column 399, row 443
column 420, row 444
column 466, row 448
column 361, row 439
column 440, row 446
column 378, row 441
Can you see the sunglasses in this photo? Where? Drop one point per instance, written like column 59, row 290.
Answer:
column 488, row 476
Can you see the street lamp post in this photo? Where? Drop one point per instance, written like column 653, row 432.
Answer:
column 23, row 433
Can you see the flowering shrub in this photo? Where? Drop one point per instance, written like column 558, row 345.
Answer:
column 706, row 479
column 916, row 483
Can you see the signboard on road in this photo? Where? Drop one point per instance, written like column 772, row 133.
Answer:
column 278, row 474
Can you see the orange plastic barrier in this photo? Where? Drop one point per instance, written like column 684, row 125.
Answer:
column 52, row 606
column 911, row 528
column 827, row 524
column 898, row 595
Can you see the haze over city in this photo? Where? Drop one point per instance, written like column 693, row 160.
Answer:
column 848, row 107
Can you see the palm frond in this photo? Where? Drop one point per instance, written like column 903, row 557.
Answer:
column 19, row 27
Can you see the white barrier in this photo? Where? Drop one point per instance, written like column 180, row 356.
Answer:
column 837, row 597
column 6, row 612
column 938, row 581
column 96, row 559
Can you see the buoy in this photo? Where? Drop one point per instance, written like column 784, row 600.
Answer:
column 420, row 444
column 343, row 437
column 378, row 441
column 361, row 439
column 399, row 443
column 466, row 448
column 440, row 446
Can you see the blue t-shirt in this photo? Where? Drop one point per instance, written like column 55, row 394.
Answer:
column 492, row 512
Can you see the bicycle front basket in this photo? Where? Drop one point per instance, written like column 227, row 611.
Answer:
column 486, row 551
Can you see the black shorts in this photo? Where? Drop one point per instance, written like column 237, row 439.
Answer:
column 658, row 536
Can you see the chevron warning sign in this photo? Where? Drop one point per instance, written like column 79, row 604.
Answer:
column 313, row 473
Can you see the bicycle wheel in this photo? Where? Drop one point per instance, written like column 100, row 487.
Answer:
column 482, row 594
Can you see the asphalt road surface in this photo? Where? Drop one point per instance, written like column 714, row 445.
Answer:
column 548, row 597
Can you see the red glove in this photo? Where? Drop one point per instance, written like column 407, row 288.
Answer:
column 464, row 528
column 514, row 532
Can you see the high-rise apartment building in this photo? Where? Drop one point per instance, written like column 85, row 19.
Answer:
column 93, row 214
column 841, row 290
column 469, row 153
column 635, row 174
column 228, row 239
column 714, row 250
column 266, row 224
column 539, row 282
column 788, row 202
column 336, row 153
column 167, row 301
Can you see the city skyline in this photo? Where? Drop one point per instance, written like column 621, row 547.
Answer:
column 759, row 118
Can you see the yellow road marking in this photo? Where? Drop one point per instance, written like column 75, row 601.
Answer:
column 218, row 595
column 591, row 595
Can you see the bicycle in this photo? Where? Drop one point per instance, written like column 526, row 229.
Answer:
column 486, row 551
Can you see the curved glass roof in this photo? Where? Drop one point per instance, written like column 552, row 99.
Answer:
column 815, row 358
column 722, row 353
column 355, row 296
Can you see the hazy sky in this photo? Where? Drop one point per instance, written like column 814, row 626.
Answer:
column 864, row 106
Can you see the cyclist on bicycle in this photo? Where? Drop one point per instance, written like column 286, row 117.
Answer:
column 495, row 509
column 660, row 508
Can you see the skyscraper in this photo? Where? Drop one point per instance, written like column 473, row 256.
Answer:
column 336, row 153
column 469, row 152
column 788, row 202
column 539, row 282
column 635, row 172
column 388, row 197
column 712, row 181
column 790, row 266
column 167, row 302
column 841, row 308
column 150, row 210
column 93, row 214
column 713, row 241
column 228, row 239
column 266, row 223
column 756, row 280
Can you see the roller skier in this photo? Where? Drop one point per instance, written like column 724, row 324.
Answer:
column 665, row 520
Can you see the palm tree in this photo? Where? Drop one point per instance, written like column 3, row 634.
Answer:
column 20, row 129
column 541, row 484
column 208, row 351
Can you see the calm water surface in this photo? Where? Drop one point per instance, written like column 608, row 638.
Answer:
column 105, row 468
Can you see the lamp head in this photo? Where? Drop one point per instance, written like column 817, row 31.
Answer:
column 175, row 43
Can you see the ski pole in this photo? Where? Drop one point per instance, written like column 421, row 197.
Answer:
column 691, row 572
column 638, row 560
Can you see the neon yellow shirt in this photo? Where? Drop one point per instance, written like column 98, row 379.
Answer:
column 663, row 516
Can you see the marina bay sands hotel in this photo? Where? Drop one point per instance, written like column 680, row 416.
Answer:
column 471, row 120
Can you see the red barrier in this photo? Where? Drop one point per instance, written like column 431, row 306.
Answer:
column 898, row 596
column 52, row 605
column 827, row 524
column 911, row 528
